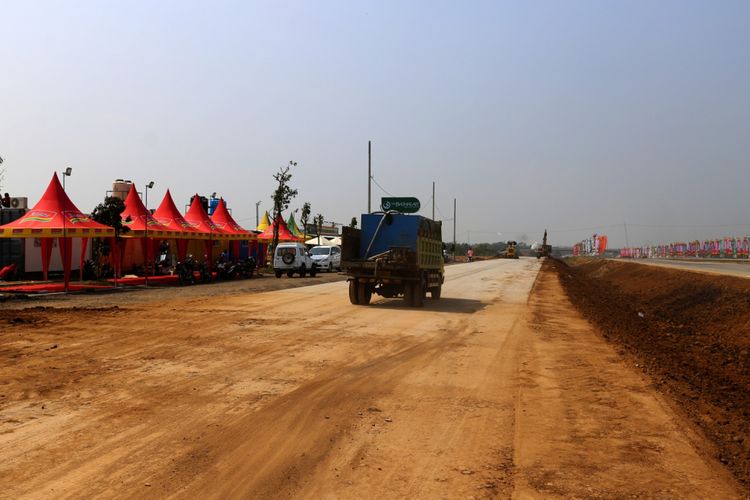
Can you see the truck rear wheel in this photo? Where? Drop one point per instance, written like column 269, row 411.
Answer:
column 418, row 294
column 435, row 292
column 364, row 293
column 408, row 294
column 353, row 291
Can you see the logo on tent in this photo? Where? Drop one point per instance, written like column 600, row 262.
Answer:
column 77, row 217
column 39, row 216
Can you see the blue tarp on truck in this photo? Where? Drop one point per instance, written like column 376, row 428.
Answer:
column 401, row 232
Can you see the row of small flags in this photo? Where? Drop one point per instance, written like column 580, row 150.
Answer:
column 727, row 248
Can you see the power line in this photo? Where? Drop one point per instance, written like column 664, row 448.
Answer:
column 440, row 213
column 381, row 187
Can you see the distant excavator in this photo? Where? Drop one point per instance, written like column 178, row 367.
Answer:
column 544, row 250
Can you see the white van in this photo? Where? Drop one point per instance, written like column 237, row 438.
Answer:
column 326, row 257
column 293, row 258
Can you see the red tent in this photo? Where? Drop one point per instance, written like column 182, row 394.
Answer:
column 199, row 220
column 223, row 220
column 137, row 218
column 168, row 216
column 145, row 227
column 284, row 233
column 55, row 216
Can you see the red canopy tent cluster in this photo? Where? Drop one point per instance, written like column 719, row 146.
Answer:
column 55, row 216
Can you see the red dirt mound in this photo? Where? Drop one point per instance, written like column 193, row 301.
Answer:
column 689, row 331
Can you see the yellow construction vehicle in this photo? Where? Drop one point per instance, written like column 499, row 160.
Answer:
column 544, row 250
column 510, row 251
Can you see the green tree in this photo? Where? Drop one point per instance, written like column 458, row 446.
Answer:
column 109, row 213
column 305, row 217
column 281, row 197
column 319, row 225
column 353, row 223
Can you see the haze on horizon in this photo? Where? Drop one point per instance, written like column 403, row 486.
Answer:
column 574, row 116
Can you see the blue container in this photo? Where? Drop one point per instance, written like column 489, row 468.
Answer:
column 213, row 204
column 399, row 231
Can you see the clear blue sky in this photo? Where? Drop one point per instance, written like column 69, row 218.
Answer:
column 575, row 116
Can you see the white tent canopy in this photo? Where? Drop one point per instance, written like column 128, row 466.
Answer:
column 323, row 241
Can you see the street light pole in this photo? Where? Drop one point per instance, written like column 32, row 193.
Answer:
column 148, row 246
column 66, row 173
column 257, row 217
column 454, row 229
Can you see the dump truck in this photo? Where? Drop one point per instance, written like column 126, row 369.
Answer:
column 393, row 255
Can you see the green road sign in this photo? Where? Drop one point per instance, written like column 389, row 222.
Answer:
column 403, row 205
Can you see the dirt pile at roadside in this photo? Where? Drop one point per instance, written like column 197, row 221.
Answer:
column 689, row 331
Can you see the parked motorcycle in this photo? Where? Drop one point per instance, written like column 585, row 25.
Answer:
column 247, row 266
column 227, row 270
column 184, row 270
column 163, row 265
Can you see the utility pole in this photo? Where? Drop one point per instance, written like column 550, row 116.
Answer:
column 433, row 200
column 146, row 260
column 626, row 234
column 257, row 218
column 369, row 176
column 454, row 229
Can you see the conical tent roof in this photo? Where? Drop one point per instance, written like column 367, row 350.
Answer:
column 136, row 217
column 55, row 216
column 199, row 220
column 293, row 228
column 223, row 220
column 168, row 216
column 265, row 221
column 284, row 233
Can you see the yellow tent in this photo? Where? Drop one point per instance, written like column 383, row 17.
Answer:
column 265, row 221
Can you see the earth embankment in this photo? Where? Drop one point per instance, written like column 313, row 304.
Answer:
column 690, row 332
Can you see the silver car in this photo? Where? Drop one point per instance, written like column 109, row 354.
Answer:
column 326, row 257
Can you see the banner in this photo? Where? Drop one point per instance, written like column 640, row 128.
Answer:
column 591, row 247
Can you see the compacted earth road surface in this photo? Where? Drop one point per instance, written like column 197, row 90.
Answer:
column 500, row 388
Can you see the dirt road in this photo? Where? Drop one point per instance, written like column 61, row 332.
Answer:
column 495, row 390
